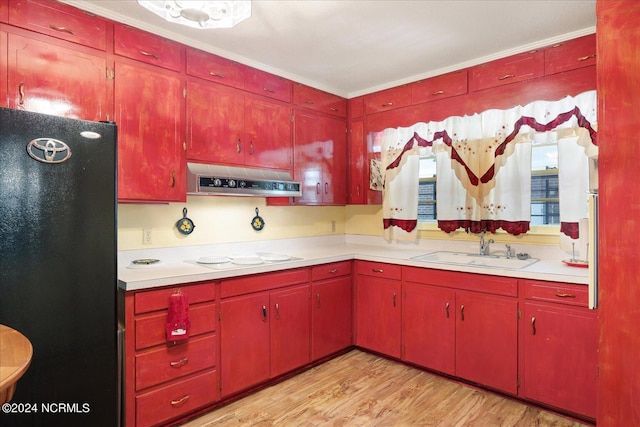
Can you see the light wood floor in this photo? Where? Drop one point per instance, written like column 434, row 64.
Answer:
column 360, row 389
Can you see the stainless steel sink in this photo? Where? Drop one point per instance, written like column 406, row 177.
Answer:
column 475, row 260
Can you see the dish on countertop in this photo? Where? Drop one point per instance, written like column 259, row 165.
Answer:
column 213, row 260
column 270, row 257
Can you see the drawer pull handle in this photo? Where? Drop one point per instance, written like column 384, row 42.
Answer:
column 308, row 101
column 179, row 402
column 377, row 270
column 507, row 76
column 388, row 104
column 173, row 179
column 533, row 326
column 462, row 312
column 564, row 295
column 334, row 109
column 584, row 58
column 333, row 271
column 277, row 312
column 214, row 74
column 446, row 310
column 264, row 313
column 179, row 363
column 266, row 89
column 62, row 29
column 394, row 299
column 152, row 55
column 317, row 300
column 21, row 92
column 438, row 92
column 238, row 146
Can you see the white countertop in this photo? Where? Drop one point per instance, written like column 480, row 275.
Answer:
column 177, row 265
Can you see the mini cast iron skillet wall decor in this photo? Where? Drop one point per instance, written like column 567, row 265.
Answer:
column 257, row 222
column 185, row 225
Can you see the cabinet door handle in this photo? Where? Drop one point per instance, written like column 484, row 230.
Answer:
column 438, row 92
column 173, row 179
column 446, row 310
column 358, row 189
column 150, row 54
column 21, row 93
column 264, row 313
column 61, row 29
column 377, row 270
column 462, row 312
column 387, row 104
column 326, row 188
column 317, row 300
column 564, row 295
column 277, row 312
column 266, row 89
column 334, row 109
column 507, row 76
column 584, row 58
column 308, row 101
column 333, row 271
column 179, row 363
column 317, row 188
column 533, row 326
column 179, row 402
column 394, row 299
column 251, row 148
column 214, row 74
column 238, row 146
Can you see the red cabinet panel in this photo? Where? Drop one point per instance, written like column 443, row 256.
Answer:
column 266, row 84
column 158, row 299
column 331, row 320
column 428, row 326
column 570, row 54
column 267, row 134
column 4, row 69
column 151, row 155
column 331, row 270
column 263, row 282
column 487, row 340
column 379, row 269
column 146, row 47
column 215, row 124
column 388, row 99
column 59, row 20
column 515, row 68
column 320, row 159
column 560, row 357
column 358, row 179
column 177, row 399
column 444, row 86
column 214, row 68
column 318, row 100
column 58, row 81
column 356, row 107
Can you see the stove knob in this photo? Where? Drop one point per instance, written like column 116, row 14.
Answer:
column 232, row 183
column 217, row 182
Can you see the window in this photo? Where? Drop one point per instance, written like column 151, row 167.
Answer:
column 427, row 189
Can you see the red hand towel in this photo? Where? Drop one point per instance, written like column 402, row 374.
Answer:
column 178, row 318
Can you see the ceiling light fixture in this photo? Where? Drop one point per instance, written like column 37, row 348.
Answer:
column 201, row 14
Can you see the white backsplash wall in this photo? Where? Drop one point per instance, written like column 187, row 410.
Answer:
column 222, row 219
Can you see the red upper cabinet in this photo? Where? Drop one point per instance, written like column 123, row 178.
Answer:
column 59, row 20
column 214, row 68
column 358, row 177
column 571, row 54
column 444, row 86
column 4, row 101
column 215, row 123
column 318, row 100
column 356, row 107
column 267, row 140
column 320, row 159
column 388, row 99
column 146, row 47
column 57, row 80
column 515, row 68
column 151, row 153
column 266, row 84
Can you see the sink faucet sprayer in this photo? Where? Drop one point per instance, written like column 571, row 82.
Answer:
column 484, row 246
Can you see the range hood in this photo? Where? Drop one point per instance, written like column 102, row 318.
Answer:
column 204, row 179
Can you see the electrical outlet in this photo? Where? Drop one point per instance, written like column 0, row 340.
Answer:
column 147, row 237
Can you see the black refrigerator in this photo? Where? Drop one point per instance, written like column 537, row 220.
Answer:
column 58, row 273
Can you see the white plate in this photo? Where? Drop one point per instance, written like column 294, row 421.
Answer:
column 248, row 260
column 275, row 257
column 213, row 260
column 244, row 255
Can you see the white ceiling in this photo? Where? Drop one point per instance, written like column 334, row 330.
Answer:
column 353, row 47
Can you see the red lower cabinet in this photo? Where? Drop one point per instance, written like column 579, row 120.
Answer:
column 290, row 330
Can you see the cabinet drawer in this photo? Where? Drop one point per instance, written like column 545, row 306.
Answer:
column 516, row 68
column 174, row 361
column 151, row 330
column 571, row 54
column 388, row 99
column 61, row 21
column 464, row 281
column 214, row 68
column 263, row 282
column 146, row 47
column 266, row 84
column 379, row 269
column 159, row 299
column 318, row 100
column 563, row 293
column 439, row 87
column 327, row 271
column 174, row 400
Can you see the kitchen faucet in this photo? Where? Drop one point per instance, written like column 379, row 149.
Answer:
column 484, row 246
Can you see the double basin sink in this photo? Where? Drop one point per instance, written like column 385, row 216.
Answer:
column 476, row 260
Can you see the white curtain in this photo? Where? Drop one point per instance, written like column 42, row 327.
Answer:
column 483, row 165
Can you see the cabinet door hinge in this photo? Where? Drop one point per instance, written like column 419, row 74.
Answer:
column 184, row 93
column 110, row 74
column 291, row 118
column 219, row 316
column 184, row 145
column 519, row 314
